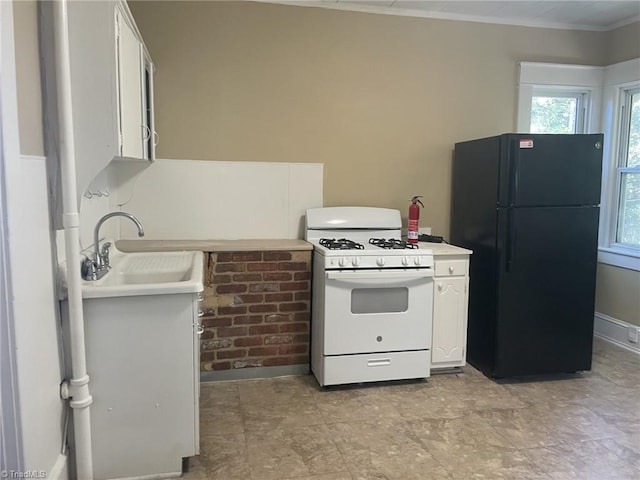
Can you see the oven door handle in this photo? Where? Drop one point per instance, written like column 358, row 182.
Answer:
column 379, row 275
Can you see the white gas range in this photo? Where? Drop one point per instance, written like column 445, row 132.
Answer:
column 372, row 297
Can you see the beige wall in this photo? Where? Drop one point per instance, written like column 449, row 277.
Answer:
column 624, row 43
column 618, row 293
column 380, row 100
column 28, row 77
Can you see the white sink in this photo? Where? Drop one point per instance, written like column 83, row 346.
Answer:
column 148, row 273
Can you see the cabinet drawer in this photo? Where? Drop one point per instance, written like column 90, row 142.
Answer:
column 449, row 268
column 375, row 367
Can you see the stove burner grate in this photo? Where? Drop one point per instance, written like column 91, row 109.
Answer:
column 392, row 244
column 340, row 244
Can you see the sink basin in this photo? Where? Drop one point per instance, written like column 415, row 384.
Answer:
column 148, row 273
column 153, row 277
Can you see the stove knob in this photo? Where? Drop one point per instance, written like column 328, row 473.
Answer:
column 380, row 261
column 342, row 262
column 405, row 261
column 356, row 261
column 418, row 260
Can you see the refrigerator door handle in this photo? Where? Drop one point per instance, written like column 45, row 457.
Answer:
column 511, row 240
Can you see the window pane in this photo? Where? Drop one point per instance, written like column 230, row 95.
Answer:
column 553, row 115
column 379, row 300
column 629, row 219
column 633, row 152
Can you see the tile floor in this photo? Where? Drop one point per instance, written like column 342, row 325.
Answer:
column 454, row 426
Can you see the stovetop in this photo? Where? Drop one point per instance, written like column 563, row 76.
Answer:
column 340, row 244
column 392, row 244
column 372, row 244
column 362, row 238
column 376, row 253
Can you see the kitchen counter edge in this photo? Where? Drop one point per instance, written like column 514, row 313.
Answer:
column 444, row 249
column 212, row 245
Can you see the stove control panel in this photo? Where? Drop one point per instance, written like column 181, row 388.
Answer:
column 386, row 261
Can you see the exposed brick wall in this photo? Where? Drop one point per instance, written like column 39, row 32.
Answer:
column 256, row 309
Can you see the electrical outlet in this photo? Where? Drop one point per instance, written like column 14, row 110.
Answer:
column 632, row 334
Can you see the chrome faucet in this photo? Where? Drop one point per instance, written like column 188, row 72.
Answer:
column 96, row 267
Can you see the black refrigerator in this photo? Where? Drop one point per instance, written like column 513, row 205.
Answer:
column 528, row 207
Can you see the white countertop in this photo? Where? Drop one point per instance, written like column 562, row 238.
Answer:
column 212, row 245
column 252, row 245
column 444, row 249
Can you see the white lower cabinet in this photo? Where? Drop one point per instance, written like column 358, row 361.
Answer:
column 450, row 305
column 143, row 363
column 450, row 331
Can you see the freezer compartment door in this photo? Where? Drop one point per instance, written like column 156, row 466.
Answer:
column 546, row 290
column 551, row 170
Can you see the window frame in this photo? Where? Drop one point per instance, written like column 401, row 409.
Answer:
column 626, row 96
column 559, row 80
column 619, row 79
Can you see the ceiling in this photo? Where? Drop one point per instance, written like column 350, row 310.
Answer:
column 601, row 15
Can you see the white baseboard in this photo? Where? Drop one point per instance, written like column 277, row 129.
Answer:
column 59, row 470
column 615, row 331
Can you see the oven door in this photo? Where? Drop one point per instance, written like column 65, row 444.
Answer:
column 370, row 311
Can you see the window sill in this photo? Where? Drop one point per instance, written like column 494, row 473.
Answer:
column 620, row 257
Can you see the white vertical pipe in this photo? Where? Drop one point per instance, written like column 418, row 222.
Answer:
column 79, row 384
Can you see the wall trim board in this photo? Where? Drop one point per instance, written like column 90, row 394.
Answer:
column 30, row 248
column 615, row 331
column 619, row 258
column 259, row 372
column 382, row 9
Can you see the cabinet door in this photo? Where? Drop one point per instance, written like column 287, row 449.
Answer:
column 197, row 331
column 133, row 131
column 141, row 366
column 151, row 140
column 449, row 320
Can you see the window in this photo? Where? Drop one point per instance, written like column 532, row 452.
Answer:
column 554, row 111
column 628, row 181
column 555, row 98
column 620, row 207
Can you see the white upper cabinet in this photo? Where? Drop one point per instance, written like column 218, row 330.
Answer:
column 131, row 108
column 135, row 101
column 111, row 89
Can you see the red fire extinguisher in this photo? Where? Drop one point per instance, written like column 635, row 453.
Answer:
column 414, row 216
